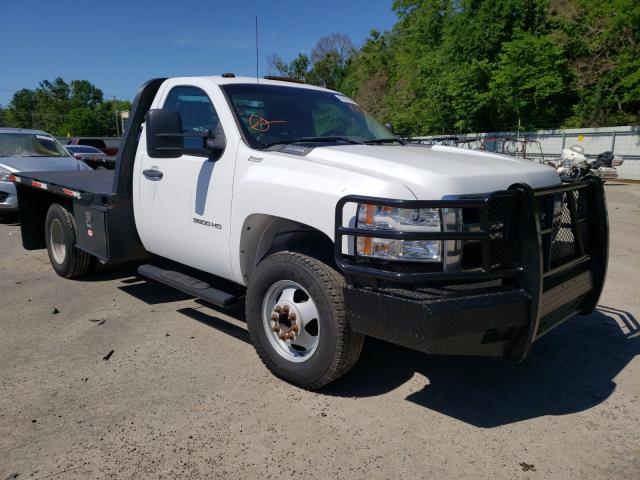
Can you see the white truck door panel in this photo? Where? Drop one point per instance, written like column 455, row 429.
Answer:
column 185, row 214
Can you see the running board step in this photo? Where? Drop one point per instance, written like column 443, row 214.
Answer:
column 189, row 285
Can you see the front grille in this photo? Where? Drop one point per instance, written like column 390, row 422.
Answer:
column 501, row 222
column 558, row 227
column 501, row 230
column 558, row 231
column 3, row 197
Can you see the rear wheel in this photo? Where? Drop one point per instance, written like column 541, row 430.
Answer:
column 296, row 320
column 60, row 236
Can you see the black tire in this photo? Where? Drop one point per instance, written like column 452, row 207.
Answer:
column 76, row 262
column 338, row 346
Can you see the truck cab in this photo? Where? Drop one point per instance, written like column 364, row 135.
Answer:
column 331, row 227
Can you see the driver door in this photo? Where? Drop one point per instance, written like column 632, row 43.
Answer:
column 184, row 203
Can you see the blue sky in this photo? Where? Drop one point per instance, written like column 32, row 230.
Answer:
column 119, row 44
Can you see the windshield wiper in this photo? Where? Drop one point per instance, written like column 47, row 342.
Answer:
column 315, row 139
column 378, row 141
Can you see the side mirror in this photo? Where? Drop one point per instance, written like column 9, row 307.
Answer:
column 164, row 133
column 165, row 138
column 216, row 143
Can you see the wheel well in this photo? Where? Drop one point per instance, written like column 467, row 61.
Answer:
column 263, row 235
column 33, row 206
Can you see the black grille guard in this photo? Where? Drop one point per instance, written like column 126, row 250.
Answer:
column 547, row 253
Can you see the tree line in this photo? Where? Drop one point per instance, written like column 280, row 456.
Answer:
column 61, row 108
column 450, row 66
column 446, row 66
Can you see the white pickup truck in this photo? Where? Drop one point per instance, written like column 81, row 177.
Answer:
column 329, row 226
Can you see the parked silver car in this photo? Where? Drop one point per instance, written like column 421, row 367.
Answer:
column 23, row 150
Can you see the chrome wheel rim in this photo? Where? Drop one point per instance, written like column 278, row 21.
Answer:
column 291, row 320
column 56, row 241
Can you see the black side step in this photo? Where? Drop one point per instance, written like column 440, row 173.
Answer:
column 189, row 285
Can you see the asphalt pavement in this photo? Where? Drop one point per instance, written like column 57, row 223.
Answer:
column 117, row 377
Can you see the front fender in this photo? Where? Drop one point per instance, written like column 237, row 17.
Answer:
column 301, row 191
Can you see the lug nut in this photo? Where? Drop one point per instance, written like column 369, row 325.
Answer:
column 285, row 309
column 292, row 317
column 295, row 328
column 275, row 317
column 278, row 309
column 275, row 328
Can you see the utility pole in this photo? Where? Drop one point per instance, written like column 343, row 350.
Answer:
column 115, row 111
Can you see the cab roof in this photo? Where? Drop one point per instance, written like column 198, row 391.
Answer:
column 220, row 80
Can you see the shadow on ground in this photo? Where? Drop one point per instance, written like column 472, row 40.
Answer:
column 570, row 370
column 10, row 219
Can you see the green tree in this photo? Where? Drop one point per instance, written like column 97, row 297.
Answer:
column 52, row 103
column 328, row 65
column 451, row 66
column 21, row 112
column 368, row 76
column 602, row 41
column 60, row 108
column 330, row 57
column 297, row 69
column 530, row 83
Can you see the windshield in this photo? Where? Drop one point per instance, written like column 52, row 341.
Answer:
column 30, row 145
column 271, row 114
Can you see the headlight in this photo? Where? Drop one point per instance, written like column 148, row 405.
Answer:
column 377, row 217
column 4, row 176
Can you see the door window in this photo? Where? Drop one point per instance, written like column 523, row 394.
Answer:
column 196, row 111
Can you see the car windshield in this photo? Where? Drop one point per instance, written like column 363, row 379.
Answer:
column 30, row 145
column 272, row 114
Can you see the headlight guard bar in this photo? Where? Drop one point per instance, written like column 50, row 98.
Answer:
column 527, row 229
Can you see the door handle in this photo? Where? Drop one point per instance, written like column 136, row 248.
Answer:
column 152, row 173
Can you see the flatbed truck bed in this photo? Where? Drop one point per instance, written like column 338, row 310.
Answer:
column 86, row 182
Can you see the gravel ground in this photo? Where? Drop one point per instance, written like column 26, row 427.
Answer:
column 184, row 395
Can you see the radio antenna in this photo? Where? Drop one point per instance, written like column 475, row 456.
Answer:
column 259, row 137
column 257, row 56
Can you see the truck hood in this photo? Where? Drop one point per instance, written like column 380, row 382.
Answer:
column 437, row 171
column 40, row 164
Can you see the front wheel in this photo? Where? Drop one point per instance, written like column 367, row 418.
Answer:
column 296, row 320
